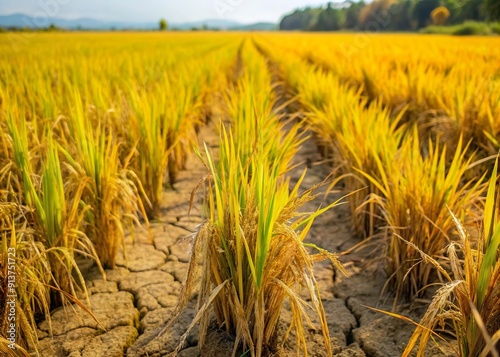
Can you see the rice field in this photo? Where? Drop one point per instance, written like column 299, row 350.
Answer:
column 250, row 148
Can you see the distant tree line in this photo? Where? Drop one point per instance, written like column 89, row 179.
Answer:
column 50, row 28
column 390, row 15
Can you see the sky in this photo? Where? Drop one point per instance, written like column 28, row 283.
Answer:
column 175, row 11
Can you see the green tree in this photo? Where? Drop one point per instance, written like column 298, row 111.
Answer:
column 455, row 7
column 329, row 19
column 492, row 8
column 422, row 11
column 463, row 10
column 163, row 25
column 473, row 10
column 300, row 19
column 352, row 15
column 401, row 15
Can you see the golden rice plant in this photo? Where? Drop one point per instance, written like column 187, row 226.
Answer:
column 364, row 134
column 253, row 254
column 39, row 242
column 251, row 246
column 57, row 214
column 164, row 122
column 186, row 115
column 250, row 106
column 415, row 195
column 469, row 300
column 25, row 280
column 111, row 189
column 153, row 145
column 217, row 84
column 355, row 132
column 476, row 109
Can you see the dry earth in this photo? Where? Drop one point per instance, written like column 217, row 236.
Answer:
column 137, row 298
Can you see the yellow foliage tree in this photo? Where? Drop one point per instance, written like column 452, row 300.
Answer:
column 439, row 15
column 375, row 16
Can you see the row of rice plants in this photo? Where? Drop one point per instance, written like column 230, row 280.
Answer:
column 469, row 299
column 42, row 233
column 23, row 288
column 449, row 86
column 71, row 155
column 412, row 190
column 251, row 247
column 339, row 117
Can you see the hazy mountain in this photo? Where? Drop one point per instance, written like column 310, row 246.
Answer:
column 259, row 26
column 22, row 20
column 214, row 23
